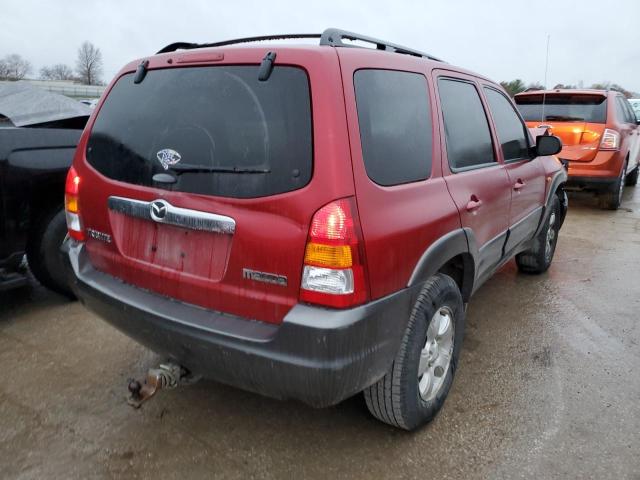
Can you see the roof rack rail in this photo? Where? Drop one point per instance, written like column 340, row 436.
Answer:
column 331, row 36
column 334, row 37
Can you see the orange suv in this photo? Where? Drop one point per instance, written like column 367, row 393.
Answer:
column 599, row 133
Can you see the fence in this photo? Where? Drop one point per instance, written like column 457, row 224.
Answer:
column 69, row 89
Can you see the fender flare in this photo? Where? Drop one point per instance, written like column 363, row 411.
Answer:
column 558, row 179
column 445, row 248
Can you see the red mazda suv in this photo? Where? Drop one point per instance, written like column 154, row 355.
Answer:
column 307, row 221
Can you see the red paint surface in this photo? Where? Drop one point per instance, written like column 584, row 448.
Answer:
column 397, row 223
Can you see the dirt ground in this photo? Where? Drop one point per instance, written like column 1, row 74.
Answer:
column 548, row 386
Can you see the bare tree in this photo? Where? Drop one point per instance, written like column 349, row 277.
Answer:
column 89, row 64
column 59, row 71
column 14, row 67
column 612, row 86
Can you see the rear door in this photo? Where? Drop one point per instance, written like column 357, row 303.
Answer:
column 477, row 180
column 526, row 174
column 205, row 178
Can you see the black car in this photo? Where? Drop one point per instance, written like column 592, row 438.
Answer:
column 39, row 132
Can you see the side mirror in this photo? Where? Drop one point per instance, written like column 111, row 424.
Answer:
column 547, row 145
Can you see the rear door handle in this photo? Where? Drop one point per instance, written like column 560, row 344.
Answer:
column 519, row 184
column 473, row 204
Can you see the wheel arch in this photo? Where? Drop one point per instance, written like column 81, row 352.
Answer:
column 556, row 187
column 48, row 200
column 451, row 255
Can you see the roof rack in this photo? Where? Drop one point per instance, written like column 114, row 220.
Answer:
column 333, row 37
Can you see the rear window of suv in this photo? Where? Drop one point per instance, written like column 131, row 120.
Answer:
column 563, row 108
column 217, row 130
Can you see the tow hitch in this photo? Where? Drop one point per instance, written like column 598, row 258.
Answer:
column 165, row 376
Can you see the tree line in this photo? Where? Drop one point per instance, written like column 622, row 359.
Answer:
column 88, row 67
column 517, row 86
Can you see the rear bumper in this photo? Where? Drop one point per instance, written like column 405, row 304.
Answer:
column 316, row 355
column 599, row 174
column 591, row 183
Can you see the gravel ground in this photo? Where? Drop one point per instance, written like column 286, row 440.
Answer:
column 547, row 387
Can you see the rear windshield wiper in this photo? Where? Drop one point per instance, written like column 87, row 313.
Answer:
column 180, row 169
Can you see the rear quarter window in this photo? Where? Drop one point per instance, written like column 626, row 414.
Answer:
column 626, row 113
column 394, row 117
column 218, row 130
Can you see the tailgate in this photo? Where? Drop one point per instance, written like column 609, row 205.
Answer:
column 204, row 190
column 580, row 140
column 577, row 118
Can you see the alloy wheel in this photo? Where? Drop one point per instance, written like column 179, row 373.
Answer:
column 435, row 357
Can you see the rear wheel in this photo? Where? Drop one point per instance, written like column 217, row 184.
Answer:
column 416, row 386
column 632, row 178
column 43, row 252
column 611, row 199
column 539, row 257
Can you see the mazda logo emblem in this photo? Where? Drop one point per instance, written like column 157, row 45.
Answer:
column 159, row 210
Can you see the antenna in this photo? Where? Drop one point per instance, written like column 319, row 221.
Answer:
column 546, row 70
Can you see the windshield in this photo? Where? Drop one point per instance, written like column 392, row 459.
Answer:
column 217, row 130
column 563, row 108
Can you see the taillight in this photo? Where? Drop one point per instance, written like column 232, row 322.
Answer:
column 610, row 140
column 71, row 206
column 333, row 274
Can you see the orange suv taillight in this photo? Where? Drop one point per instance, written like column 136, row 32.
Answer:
column 610, row 140
column 333, row 274
column 71, row 206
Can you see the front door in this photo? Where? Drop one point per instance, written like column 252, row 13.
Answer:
column 526, row 174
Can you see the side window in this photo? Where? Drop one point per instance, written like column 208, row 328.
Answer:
column 395, row 125
column 631, row 116
column 466, row 127
column 621, row 112
column 512, row 133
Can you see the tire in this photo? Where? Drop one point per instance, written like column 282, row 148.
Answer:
column 632, row 178
column 43, row 252
column 538, row 258
column 612, row 198
column 396, row 399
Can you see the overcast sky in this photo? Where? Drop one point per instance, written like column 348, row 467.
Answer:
column 591, row 41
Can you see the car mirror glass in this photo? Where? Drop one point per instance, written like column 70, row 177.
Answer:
column 548, row 145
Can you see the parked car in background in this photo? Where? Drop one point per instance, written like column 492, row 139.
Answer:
column 635, row 104
column 39, row 132
column 599, row 133
column 307, row 221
